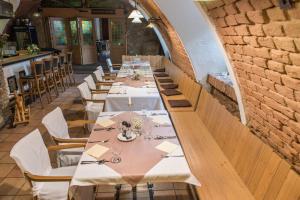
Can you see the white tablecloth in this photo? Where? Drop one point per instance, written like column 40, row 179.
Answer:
column 173, row 169
column 141, row 98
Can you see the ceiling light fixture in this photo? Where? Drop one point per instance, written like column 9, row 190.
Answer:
column 137, row 21
column 135, row 13
column 153, row 21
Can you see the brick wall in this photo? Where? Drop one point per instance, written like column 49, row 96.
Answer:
column 177, row 50
column 3, row 100
column 263, row 43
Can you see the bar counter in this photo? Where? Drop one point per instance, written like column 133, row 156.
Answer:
column 21, row 58
column 11, row 68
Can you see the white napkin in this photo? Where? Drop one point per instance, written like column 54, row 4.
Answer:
column 115, row 90
column 167, row 147
column 106, row 122
column 97, row 151
column 160, row 119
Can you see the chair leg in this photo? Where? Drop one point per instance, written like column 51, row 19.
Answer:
column 48, row 89
column 39, row 93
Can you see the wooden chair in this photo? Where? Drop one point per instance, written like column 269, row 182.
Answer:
column 62, row 69
column 22, row 114
column 98, row 86
column 104, row 76
column 58, row 128
column 93, row 106
column 69, row 67
column 59, row 82
column 31, row 156
column 49, row 76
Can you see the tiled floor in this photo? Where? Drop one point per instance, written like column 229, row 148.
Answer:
column 14, row 186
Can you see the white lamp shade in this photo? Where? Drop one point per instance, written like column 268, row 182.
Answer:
column 137, row 21
column 150, row 25
column 135, row 14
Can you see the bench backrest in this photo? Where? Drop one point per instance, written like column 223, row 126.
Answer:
column 190, row 89
column 266, row 175
column 155, row 60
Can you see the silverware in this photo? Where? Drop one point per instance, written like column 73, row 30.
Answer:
column 154, row 114
column 108, row 115
column 99, row 141
column 159, row 137
column 162, row 125
column 104, row 129
column 99, row 162
column 175, row 156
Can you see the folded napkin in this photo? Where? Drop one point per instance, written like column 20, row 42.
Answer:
column 116, row 90
column 118, row 83
column 97, row 151
column 160, row 119
column 106, row 122
column 167, row 147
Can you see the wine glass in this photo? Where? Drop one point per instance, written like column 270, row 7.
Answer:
column 147, row 129
column 116, row 154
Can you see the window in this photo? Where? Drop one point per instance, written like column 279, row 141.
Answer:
column 59, row 30
column 74, row 32
column 117, row 33
column 87, row 32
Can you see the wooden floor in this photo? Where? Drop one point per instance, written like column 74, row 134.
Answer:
column 14, row 186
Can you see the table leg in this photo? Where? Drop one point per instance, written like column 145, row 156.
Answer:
column 134, row 197
column 118, row 189
column 151, row 192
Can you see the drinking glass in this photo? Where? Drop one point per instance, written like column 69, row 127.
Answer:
column 147, row 129
column 116, row 154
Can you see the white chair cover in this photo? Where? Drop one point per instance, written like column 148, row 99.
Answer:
column 100, row 69
column 57, row 126
column 98, row 75
column 31, row 155
column 86, row 93
column 90, row 81
column 92, row 109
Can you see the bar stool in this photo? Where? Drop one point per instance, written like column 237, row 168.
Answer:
column 58, row 80
column 69, row 67
column 49, row 76
column 26, row 83
column 37, row 81
column 62, row 69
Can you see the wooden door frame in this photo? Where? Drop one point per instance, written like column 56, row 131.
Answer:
column 51, row 30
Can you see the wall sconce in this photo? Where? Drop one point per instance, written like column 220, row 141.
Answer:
column 152, row 21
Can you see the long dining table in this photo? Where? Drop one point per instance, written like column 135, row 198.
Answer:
column 129, row 94
column 152, row 152
column 154, row 156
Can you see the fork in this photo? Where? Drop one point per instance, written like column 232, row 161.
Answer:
column 175, row 156
column 99, row 141
column 99, row 162
column 104, row 129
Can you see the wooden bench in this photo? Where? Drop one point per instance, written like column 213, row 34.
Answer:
column 229, row 161
column 188, row 87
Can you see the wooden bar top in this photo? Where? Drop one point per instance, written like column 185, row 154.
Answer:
column 21, row 58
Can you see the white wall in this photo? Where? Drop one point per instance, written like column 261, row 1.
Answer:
column 200, row 40
column 3, row 22
column 196, row 37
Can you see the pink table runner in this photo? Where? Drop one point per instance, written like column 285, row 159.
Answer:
column 134, row 83
column 138, row 156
